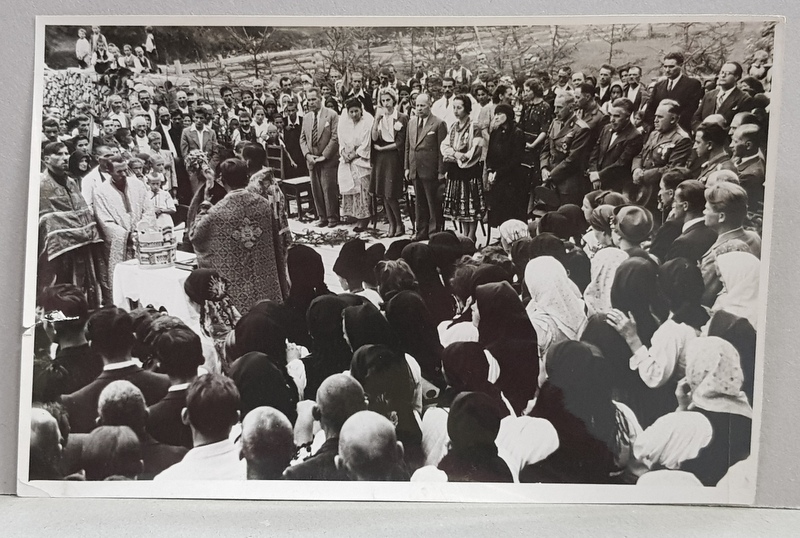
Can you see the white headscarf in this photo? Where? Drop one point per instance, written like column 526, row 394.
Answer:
column 739, row 273
column 604, row 267
column 555, row 294
column 673, row 439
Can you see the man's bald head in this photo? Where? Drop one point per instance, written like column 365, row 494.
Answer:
column 267, row 443
column 338, row 398
column 423, row 105
column 45, row 447
column 718, row 119
column 121, row 403
column 368, row 447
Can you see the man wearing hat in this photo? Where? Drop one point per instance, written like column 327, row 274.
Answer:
column 668, row 146
column 630, row 227
column 566, row 152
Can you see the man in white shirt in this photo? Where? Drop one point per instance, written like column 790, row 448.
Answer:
column 139, row 127
column 145, row 100
column 115, row 101
column 267, row 443
column 212, row 409
column 633, row 90
column 443, row 107
column 183, row 103
column 97, row 175
column 458, row 72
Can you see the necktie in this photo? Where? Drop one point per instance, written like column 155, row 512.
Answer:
column 419, row 127
column 314, row 131
column 669, row 86
column 446, row 102
column 720, row 99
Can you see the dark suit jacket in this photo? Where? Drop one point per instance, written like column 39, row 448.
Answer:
column 423, row 154
column 82, row 405
column 366, row 101
column 752, row 175
column 320, row 466
column 613, row 162
column 175, row 132
column 687, row 92
column 164, row 420
column 692, row 243
column 736, row 102
column 637, row 102
column 606, row 97
column 158, row 457
column 327, row 136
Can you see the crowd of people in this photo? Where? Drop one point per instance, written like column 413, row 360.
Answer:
column 607, row 336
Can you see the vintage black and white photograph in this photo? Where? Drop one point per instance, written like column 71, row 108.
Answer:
column 267, row 254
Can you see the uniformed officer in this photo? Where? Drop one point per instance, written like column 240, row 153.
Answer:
column 589, row 112
column 566, row 152
column 668, row 146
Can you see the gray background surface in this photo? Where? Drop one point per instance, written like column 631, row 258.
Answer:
column 780, row 434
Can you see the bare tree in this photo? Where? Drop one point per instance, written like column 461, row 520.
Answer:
column 613, row 35
column 705, row 46
column 254, row 42
column 556, row 50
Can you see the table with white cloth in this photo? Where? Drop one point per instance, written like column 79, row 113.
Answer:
column 161, row 287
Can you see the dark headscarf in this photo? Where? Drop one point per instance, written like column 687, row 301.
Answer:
column 260, row 382
column 389, row 387
column 330, row 353
column 576, row 400
column 446, row 249
column 307, row 275
column 372, row 256
column 466, row 369
column 502, row 314
column 366, row 325
column 626, row 385
column 472, row 425
column 419, row 257
column 578, row 266
column 555, row 223
column 417, row 334
column 352, row 260
column 681, row 284
column 395, row 250
column 506, row 332
column 600, row 219
column 577, row 221
column 739, row 332
column 75, row 159
column 263, row 329
column 635, row 290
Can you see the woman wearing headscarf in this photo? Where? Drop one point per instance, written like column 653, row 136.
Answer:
column 440, row 303
column 739, row 332
column 509, row 189
column 511, row 231
column 355, row 168
column 307, row 276
column 390, row 389
column 599, row 235
column 627, row 386
column 80, row 164
column 555, row 223
column 592, row 201
column 416, row 333
column 664, row 360
column 739, row 273
column 712, row 389
column 207, row 292
column 472, row 426
column 351, row 267
column 365, row 325
column 330, row 353
column 595, row 433
column 447, row 249
column 556, row 309
column 635, row 291
column 505, row 331
column 468, row 368
column 263, row 330
column 261, row 382
column 468, row 275
column 461, row 150
column 605, row 259
column 576, row 220
column 388, row 147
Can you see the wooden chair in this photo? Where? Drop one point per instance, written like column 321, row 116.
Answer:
column 296, row 189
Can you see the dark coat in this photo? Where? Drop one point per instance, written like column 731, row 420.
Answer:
column 736, row 102
column 693, row 243
column 508, row 197
column 613, row 161
column 687, row 92
column 164, row 420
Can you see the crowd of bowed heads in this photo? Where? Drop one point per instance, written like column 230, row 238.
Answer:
column 607, row 338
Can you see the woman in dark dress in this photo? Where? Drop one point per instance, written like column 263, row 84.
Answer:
column 389, row 142
column 537, row 114
column 510, row 188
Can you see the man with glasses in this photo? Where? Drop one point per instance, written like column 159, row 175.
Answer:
column 684, row 90
column 727, row 99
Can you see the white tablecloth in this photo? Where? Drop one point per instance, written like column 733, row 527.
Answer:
column 157, row 287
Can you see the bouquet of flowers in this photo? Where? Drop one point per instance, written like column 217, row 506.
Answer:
column 196, row 161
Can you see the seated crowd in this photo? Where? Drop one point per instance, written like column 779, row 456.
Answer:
column 607, row 337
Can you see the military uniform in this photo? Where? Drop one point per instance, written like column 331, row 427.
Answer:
column 661, row 152
column 566, row 154
column 596, row 119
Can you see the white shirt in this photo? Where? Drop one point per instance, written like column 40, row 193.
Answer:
column 672, row 83
column 217, row 461
column 443, row 109
column 633, row 93
column 121, row 118
column 200, row 133
column 689, row 223
column 666, row 356
column 722, row 96
column 168, row 142
column 118, row 365
column 142, row 143
column 89, row 183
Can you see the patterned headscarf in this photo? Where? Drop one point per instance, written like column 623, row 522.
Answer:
column 555, row 294
column 218, row 316
column 715, row 376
